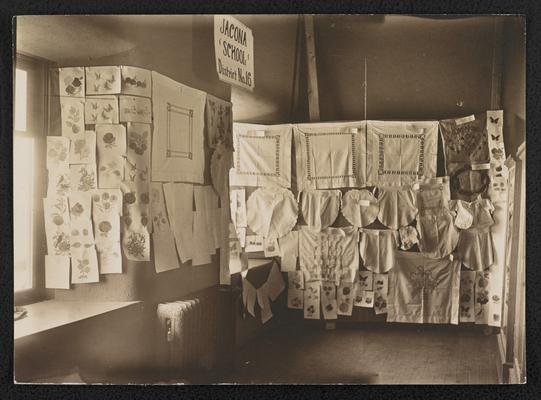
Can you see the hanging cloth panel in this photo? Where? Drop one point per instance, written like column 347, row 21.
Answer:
column 400, row 153
column 330, row 155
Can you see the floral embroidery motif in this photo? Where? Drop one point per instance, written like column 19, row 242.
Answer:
column 61, row 243
column 422, row 279
column 107, row 202
column 83, row 267
column 73, row 119
column 104, row 228
column 87, row 180
column 136, row 244
column 138, row 141
column 57, row 151
column 74, row 85
column 110, row 140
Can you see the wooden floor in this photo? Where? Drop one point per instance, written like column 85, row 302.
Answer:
column 389, row 354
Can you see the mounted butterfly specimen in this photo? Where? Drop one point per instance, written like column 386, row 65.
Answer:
column 494, row 120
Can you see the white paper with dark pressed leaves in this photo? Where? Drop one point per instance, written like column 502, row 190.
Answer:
column 136, row 205
column 57, row 272
column 107, row 201
column 295, row 279
column 102, row 80
column 345, row 298
column 381, row 286
column 83, row 150
column 101, row 110
column 135, row 109
column 110, row 259
column 367, row 299
column 58, row 149
column 311, row 300
column 71, row 82
column 137, row 167
column 365, row 280
column 81, row 235
column 328, row 300
column 136, row 81
column 106, row 229
column 111, row 144
column 72, row 117
column 80, row 206
column 136, row 244
column 57, row 225
column 85, row 266
column 83, row 177
column 58, row 181
column 295, row 298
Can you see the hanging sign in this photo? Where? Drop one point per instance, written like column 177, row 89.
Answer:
column 234, row 49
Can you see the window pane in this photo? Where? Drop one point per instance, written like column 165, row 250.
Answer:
column 23, row 159
column 20, row 100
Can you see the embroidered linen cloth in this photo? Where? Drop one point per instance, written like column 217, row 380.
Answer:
column 271, row 212
column 329, row 255
column 320, row 207
column 179, row 120
column 400, row 153
column 330, row 155
column 467, row 157
column 422, row 290
column 262, row 155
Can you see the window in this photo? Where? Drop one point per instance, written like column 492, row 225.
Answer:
column 29, row 177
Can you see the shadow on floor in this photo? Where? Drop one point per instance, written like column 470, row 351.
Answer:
column 368, row 354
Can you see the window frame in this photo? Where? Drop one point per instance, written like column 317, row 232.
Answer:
column 36, row 128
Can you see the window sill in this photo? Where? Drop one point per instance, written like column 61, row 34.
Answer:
column 50, row 314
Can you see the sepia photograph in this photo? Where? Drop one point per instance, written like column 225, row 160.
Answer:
column 255, row 199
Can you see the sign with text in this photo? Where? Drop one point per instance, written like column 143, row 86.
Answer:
column 234, row 49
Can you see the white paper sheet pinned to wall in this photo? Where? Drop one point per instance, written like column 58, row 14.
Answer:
column 57, row 272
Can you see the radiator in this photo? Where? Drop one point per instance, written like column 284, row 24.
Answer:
column 198, row 331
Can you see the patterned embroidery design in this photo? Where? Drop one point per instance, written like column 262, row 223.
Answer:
column 422, row 279
column 466, row 139
column 172, row 111
column 310, row 175
column 276, row 172
column 381, row 168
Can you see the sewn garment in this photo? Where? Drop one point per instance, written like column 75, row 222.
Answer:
column 329, row 255
column 330, row 155
column 377, row 248
column 177, row 140
column 438, row 235
column 400, row 153
column 397, row 206
column 271, row 212
column 359, row 207
column 320, row 207
column 262, row 155
column 475, row 244
column 422, row 290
